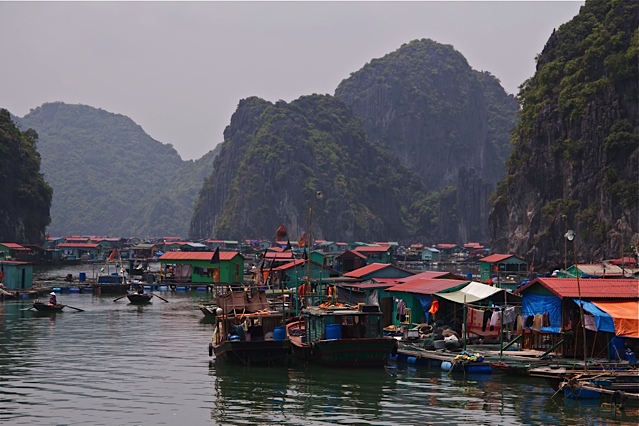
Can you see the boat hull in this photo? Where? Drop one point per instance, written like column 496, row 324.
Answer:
column 45, row 307
column 139, row 299
column 254, row 352
column 346, row 352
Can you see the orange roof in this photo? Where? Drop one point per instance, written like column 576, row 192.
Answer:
column 197, row 255
column 425, row 275
column 590, row 288
column 625, row 315
column 495, row 258
column 290, row 265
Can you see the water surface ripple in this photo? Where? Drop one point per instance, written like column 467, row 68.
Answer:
column 119, row 364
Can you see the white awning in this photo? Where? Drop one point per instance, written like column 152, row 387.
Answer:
column 473, row 292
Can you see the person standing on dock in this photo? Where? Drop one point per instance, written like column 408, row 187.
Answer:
column 53, row 299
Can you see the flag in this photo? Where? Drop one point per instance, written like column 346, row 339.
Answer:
column 216, row 256
column 302, row 242
column 112, row 255
column 280, row 234
column 288, row 245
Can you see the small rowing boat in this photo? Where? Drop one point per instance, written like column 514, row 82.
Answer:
column 45, row 307
column 139, row 299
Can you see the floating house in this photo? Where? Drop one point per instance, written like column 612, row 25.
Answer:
column 503, row 270
column 197, row 267
column 76, row 252
column 17, row 275
column 376, row 254
column 596, row 270
column 551, row 315
column 14, row 251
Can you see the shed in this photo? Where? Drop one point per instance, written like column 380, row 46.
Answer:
column 17, row 275
column 507, row 269
column 196, row 267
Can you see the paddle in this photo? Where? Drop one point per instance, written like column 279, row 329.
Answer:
column 77, row 309
column 159, row 297
column 121, row 297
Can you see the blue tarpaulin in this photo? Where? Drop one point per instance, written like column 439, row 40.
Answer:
column 533, row 304
column 603, row 321
column 426, row 302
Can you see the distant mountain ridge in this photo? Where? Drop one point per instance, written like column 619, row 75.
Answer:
column 442, row 119
column 109, row 177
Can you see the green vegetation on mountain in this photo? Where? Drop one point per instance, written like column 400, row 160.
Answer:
column 274, row 159
column 575, row 162
column 447, row 122
column 109, row 177
column 25, row 197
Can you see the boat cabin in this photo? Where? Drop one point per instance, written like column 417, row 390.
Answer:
column 343, row 323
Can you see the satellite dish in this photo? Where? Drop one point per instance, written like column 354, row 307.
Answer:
column 570, row 235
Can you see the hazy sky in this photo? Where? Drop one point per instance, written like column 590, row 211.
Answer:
column 179, row 69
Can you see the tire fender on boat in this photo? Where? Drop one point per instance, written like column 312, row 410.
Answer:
column 210, row 349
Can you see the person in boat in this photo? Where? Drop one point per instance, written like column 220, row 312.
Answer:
column 140, row 289
column 53, row 300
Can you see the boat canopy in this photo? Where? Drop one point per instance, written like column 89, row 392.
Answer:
column 625, row 315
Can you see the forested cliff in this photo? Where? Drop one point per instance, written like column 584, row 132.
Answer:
column 276, row 157
column 25, row 198
column 575, row 161
column 442, row 119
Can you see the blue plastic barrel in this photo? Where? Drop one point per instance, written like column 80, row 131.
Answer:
column 279, row 333
column 83, row 276
column 446, row 365
column 333, row 331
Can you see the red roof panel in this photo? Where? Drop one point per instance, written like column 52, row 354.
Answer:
column 494, row 258
column 590, row 288
column 14, row 246
column 427, row 286
column 196, row 255
column 368, row 269
column 371, row 249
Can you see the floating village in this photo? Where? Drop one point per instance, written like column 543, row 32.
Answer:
column 457, row 308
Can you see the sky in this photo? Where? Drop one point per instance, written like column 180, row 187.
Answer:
column 179, row 69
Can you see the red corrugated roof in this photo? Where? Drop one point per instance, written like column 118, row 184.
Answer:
column 494, row 258
column 371, row 249
column 446, row 246
column 427, row 286
column 424, row 275
column 271, row 255
column 290, row 265
column 196, row 255
column 14, row 246
column 368, row 269
column 78, row 245
column 591, row 288
column 623, row 261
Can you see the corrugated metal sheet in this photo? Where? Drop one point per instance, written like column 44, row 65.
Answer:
column 428, row 286
column 78, row 245
column 591, row 288
column 196, row 255
column 14, row 246
column 368, row 269
column 494, row 258
column 372, row 249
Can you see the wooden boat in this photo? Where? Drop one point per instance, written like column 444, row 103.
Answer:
column 247, row 331
column 139, row 299
column 45, row 307
column 209, row 310
column 341, row 336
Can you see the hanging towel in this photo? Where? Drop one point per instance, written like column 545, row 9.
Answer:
column 494, row 319
column 509, row 315
column 589, row 322
column 537, row 321
column 520, row 323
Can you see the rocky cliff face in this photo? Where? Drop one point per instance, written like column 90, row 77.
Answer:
column 276, row 157
column 575, row 163
column 25, row 198
column 443, row 120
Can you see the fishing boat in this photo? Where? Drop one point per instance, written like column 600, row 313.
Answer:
column 339, row 335
column 247, row 331
column 139, row 298
column 45, row 307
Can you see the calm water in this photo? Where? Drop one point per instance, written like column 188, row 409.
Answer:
column 121, row 364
